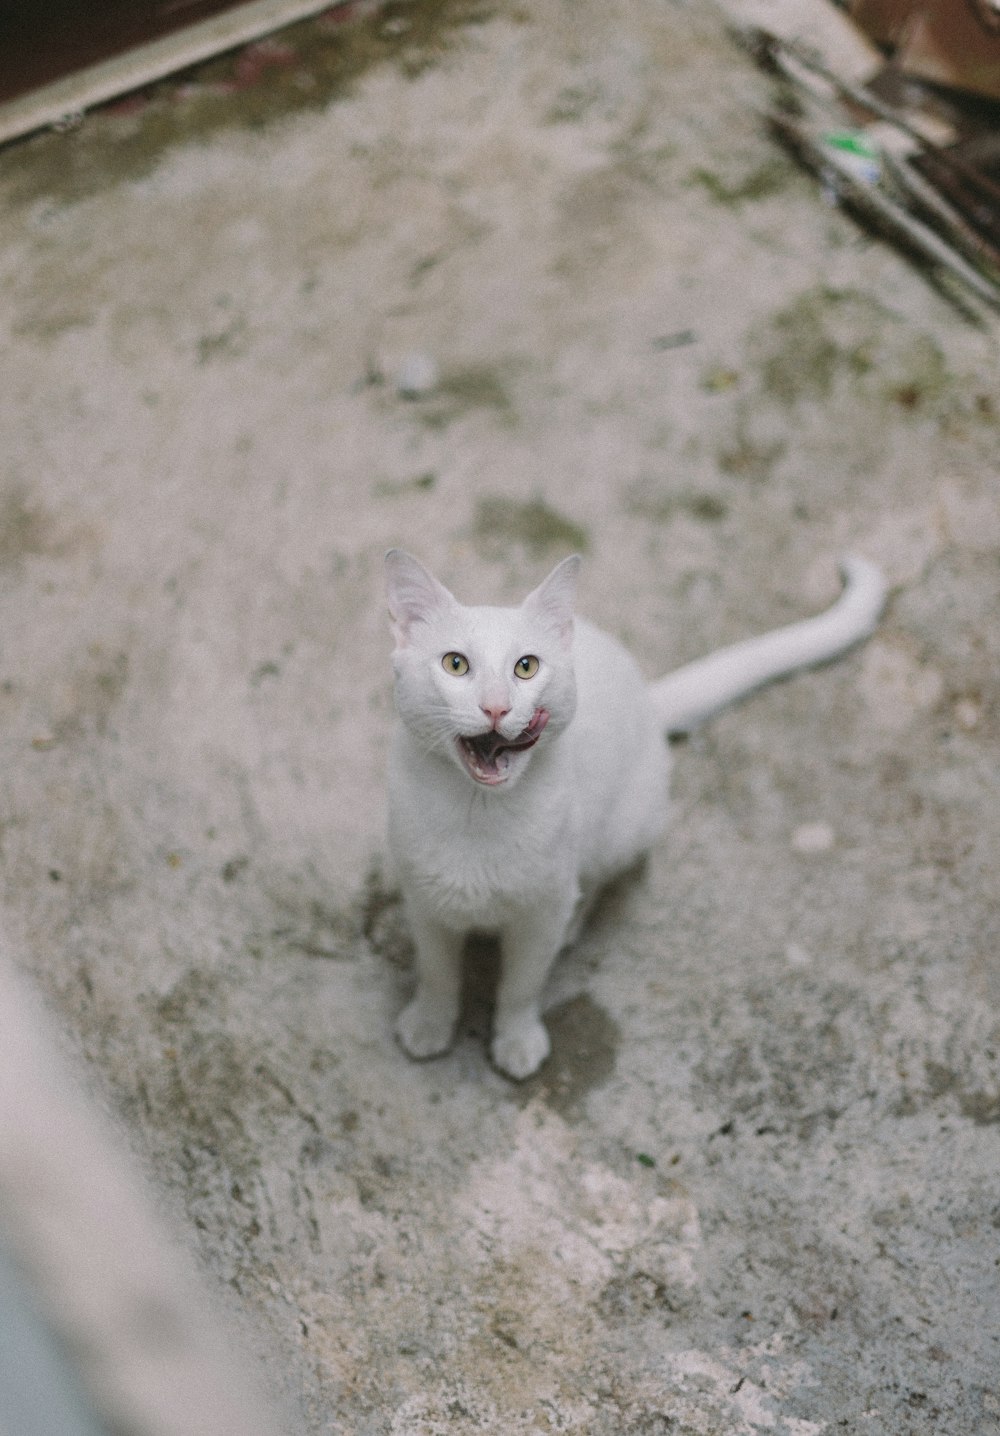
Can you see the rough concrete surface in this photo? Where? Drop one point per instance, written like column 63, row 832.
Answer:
column 756, row 1188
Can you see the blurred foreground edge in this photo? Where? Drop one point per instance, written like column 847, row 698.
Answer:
column 102, row 1315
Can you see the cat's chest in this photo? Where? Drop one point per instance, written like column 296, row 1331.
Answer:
column 471, row 858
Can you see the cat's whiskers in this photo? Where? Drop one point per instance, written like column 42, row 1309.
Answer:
column 432, row 746
column 438, row 729
column 438, row 739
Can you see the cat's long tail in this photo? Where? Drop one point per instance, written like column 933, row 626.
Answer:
column 685, row 698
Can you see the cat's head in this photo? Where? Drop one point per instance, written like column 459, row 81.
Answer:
column 481, row 687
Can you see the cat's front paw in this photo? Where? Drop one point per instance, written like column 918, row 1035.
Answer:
column 520, row 1049
column 424, row 1031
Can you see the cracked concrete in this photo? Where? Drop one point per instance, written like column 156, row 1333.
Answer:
column 756, row 1187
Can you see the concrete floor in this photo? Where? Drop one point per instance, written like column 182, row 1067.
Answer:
column 756, row 1188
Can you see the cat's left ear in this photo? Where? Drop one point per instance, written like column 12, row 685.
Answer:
column 414, row 594
column 554, row 599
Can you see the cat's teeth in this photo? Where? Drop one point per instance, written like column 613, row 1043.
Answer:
column 486, row 766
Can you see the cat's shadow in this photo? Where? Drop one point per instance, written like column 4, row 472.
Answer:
column 585, row 1038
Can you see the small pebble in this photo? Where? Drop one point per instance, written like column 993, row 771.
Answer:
column 813, row 838
column 717, row 380
column 416, row 376
column 967, row 714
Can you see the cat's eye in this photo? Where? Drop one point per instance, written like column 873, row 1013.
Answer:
column 527, row 666
column 455, row 663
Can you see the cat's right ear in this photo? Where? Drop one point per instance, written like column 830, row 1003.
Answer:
column 415, row 596
column 554, row 599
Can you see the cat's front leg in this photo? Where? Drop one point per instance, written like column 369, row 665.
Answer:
column 426, row 1027
column 531, row 941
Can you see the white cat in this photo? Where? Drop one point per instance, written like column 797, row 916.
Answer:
column 530, row 767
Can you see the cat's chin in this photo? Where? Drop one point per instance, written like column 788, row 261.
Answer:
column 491, row 759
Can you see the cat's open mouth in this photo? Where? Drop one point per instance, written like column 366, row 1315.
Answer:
column 486, row 755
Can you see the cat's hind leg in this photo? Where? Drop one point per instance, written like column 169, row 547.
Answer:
column 426, row 1027
column 582, row 911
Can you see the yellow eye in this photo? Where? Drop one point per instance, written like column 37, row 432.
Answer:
column 527, row 666
column 455, row 663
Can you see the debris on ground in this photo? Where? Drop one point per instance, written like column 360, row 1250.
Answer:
column 916, row 163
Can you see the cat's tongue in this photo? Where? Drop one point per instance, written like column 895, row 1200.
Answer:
column 485, row 756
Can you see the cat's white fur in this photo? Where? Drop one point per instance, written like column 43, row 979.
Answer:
column 517, row 841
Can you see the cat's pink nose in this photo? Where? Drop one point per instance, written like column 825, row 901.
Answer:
column 494, row 712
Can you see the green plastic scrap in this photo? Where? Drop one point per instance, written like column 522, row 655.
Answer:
column 856, row 152
column 852, row 142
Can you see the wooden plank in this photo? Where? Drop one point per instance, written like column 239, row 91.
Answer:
column 67, row 99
